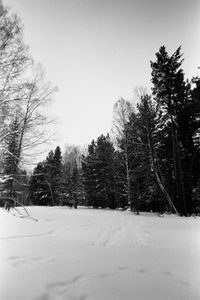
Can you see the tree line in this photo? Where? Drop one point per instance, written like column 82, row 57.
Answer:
column 150, row 162
column 156, row 162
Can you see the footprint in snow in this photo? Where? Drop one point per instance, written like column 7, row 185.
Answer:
column 64, row 284
column 185, row 283
column 60, row 290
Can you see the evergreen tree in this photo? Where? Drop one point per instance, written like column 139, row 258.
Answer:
column 57, row 176
column 38, row 187
column 90, row 174
column 106, row 176
column 98, row 172
column 155, row 184
column 171, row 95
column 136, row 151
column 46, row 183
column 188, row 124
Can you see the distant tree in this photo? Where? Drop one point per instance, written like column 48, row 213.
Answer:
column 106, row 176
column 90, row 174
column 98, row 173
column 121, row 115
column 38, row 187
column 46, row 184
column 139, row 92
column 73, row 180
column 53, row 176
column 136, row 152
column 121, row 112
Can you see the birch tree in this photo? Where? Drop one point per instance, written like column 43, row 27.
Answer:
column 121, row 114
column 14, row 60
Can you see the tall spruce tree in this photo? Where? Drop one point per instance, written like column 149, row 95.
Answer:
column 169, row 89
column 90, row 174
column 106, row 176
column 179, row 120
column 155, row 184
column 57, row 176
column 38, row 187
column 98, row 173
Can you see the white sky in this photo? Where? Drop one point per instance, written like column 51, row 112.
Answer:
column 96, row 51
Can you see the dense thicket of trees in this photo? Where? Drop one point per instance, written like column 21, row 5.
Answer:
column 46, row 183
column 157, row 153
column 179, row 123
column 57, row 180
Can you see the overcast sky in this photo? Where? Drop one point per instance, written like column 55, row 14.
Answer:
column 97, row 51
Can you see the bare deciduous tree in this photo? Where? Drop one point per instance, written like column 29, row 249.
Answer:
column 121, row 113
column 14, row 60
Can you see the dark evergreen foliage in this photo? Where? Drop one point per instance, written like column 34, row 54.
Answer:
column 46, row 183
column 179, row 121
column 98, row 173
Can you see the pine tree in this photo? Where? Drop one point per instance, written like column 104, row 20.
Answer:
column 90, row 174
column 170, row 91
column 98, row 173
column 148, row 119
column 57, row 176
column 38, row 187
column 46, row 184
column 106, row 176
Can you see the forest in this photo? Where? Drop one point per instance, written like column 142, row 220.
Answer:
column 150, row 161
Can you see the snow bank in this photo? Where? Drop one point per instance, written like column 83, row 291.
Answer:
column 98, row 254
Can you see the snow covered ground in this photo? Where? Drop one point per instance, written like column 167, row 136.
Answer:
column 98, row 254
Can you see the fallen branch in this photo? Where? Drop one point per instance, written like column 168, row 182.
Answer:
column 16, row 201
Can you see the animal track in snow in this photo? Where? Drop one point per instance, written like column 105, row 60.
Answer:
column 60, row 289
column 64, row 283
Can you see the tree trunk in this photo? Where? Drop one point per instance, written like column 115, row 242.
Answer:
column 178, row 168
column 158, row 179
column 128, row 181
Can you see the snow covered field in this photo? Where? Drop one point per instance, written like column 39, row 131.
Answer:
column 98, row 254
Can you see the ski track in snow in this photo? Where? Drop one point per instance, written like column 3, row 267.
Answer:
column 28, row 235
